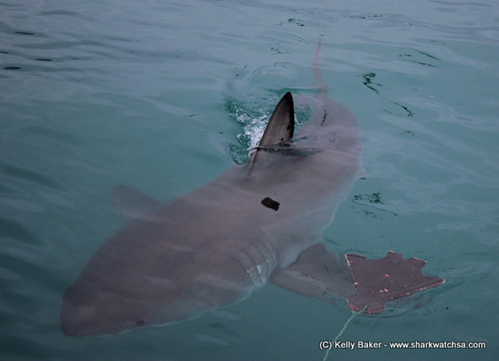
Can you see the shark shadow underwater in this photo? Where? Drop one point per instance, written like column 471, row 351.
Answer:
column 257, row 223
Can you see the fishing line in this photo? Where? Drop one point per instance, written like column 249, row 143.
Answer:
column 343, row 329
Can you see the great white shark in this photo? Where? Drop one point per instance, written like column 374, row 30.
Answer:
column 257, row 223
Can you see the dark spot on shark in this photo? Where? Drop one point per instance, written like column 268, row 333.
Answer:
column 270, row 203
column 140, row 323
column 324, row 119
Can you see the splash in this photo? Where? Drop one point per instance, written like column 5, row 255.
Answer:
column 253, row 125
column 254, row 120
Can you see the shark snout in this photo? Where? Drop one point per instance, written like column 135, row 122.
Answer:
column 78, row 320
column 89, row 314
column 79, row 315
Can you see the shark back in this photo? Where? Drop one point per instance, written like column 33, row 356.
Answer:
column 213, row 246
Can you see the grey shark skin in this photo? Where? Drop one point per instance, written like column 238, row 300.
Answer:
column 256, row 223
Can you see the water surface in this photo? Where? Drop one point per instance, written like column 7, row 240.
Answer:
column 164, row 96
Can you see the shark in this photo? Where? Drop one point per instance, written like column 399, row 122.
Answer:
column 257, row 223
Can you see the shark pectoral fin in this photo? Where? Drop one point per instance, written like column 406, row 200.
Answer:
column 131, row 203
column 316, row 273
column 280, row 127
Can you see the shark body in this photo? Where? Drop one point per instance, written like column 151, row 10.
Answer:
column 255, row 224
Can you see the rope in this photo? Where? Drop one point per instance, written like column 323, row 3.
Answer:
column 343, row 329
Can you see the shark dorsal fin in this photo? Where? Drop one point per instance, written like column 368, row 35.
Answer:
column 131, row 203
column 282, row 122
column 280, row 127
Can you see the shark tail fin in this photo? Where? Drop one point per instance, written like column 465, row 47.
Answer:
column 279, row 130
column 319, row 83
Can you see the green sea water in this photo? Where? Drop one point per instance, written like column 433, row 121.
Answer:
column 165, row 95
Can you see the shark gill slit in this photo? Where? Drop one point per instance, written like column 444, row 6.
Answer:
column 250, row 259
